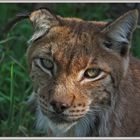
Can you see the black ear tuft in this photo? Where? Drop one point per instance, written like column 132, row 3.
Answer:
column 12, row 22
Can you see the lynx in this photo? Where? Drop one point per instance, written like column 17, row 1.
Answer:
column 85, row 81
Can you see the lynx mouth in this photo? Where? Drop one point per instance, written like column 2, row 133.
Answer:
column 62, row 118
column 68, row 117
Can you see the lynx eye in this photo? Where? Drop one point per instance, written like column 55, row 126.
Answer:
column 46, row 63
column 92, row 73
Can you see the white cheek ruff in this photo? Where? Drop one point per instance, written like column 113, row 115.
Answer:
column 42, row 121
column 60, row 129
column 44, row 124
column 81, row 128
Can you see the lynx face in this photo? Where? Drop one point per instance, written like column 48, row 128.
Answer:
column 76, row 66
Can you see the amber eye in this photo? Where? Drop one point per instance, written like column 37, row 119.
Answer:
column 46, row 63
column 92, row 73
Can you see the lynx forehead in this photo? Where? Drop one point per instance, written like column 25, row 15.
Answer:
column 77, row 68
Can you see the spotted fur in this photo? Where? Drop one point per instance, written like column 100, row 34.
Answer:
column 107, row 105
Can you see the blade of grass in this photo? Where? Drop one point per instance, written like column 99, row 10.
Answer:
column 5, row 97
column 11, row 111
column 13, row 59
column 8, row 39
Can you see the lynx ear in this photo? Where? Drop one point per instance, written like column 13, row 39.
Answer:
column 121, row 29
column 42, row 20
column 119, row 33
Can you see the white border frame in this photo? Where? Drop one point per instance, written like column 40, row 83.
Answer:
column 70, row 1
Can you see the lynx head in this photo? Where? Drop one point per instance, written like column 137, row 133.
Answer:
column 76, row 66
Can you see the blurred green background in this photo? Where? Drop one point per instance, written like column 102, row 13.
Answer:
column 16, row 119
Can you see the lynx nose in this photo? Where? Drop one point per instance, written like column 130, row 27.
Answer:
column 59, row 107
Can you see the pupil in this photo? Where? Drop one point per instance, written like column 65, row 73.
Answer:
column 91, row 73
column 47, row 63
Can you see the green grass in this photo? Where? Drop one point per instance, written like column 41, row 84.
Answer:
column 16, row 119
column 12, row 99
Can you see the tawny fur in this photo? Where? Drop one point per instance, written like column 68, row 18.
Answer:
column 106, row 107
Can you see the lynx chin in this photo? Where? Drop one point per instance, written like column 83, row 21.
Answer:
column 85, row 81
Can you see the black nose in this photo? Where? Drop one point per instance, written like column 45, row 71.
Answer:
column 59, row 107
